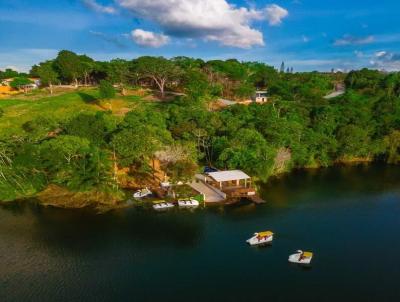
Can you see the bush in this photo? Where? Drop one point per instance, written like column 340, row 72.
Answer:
column 106, row 90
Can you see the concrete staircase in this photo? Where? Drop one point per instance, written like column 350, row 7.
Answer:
column 211, row 194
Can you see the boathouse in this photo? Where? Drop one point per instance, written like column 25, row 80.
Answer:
column 225, row 186
column 233, row 183
column 225, row 179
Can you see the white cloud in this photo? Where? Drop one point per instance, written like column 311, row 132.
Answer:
column 210, row 20
column 351, row 40
column 93, row 5
column 275, row 14
column 388, row 61
column 359, row 54
column 305, row 39
column 381, row 54
column 148, row 38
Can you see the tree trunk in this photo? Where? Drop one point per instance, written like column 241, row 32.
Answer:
column 115, row 170
column 51, row 88
column 154, row 167
column 123, row 90
column 162, row 91
column 161, row 84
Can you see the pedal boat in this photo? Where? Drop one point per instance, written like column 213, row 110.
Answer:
column 188, row 203
column 142, row 193
column 162, row 206
column 301, row 257
column 261, row 238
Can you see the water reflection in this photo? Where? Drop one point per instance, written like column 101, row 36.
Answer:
column 49, row 254
column 83, row 229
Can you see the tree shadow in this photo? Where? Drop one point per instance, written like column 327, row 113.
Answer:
column 87, row 98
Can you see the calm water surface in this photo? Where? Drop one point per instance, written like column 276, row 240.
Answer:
column 349, row 217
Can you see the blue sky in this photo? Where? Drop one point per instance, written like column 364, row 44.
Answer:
column 306, row 34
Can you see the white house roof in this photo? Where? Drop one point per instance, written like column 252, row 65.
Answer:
column 228, row 175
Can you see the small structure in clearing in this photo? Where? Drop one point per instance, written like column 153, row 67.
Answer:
column 261, row 96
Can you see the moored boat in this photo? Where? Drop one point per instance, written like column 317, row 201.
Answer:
column 301, row 257
column 142, row 193
column 165, row 185
column 188, row 203
column 163, row 206
column 261, row 238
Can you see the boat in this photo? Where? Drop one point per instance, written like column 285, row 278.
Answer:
column 163, row 206
column 261, row 238
column 188, row 203
column 301, row 257
column 142, row 193
column 165, row 185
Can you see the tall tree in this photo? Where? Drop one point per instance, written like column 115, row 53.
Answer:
column 159, row 69
column 87, row 66
column 47, row 73
column 119, row 73
column 68, row 65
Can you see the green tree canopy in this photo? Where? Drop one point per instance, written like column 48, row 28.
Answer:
column 48, row 74
column 106, row 90
column 159, row 69
column 69, row 66
column 20, row 82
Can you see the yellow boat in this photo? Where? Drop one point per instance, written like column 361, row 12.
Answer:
column 301, row 257
column 261, row 238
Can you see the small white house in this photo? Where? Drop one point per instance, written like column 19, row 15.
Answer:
column 261, row 96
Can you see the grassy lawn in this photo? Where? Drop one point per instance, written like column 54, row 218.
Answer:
column 61, row 107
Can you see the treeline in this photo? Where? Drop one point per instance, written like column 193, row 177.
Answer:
column 211, row 79
column 297, row 128
column 10, row 73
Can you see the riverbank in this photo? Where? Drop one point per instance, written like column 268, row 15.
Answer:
column 59, row 197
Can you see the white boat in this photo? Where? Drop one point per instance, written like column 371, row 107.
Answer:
column 142, row 193
column 301, row 257
column 165, row 185
column 188, row 203
column 163, row 206
column 261, row 238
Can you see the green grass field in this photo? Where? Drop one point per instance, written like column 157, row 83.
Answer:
column 61, row 107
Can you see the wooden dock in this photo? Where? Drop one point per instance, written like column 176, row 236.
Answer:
column 235, row 194
column 257, row 199
column 253, row 199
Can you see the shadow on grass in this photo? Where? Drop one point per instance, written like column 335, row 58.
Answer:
column 88, row 98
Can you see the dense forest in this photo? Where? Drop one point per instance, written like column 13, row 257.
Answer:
column 97, row 150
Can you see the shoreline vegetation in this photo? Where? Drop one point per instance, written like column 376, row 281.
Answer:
column 94, row 130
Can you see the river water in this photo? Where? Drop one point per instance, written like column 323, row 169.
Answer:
column 348, row 216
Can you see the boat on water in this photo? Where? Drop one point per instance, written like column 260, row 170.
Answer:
column 188, row 203
column 301, row 257
column 142, row 193
column 261, row 238
column 163, row 206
